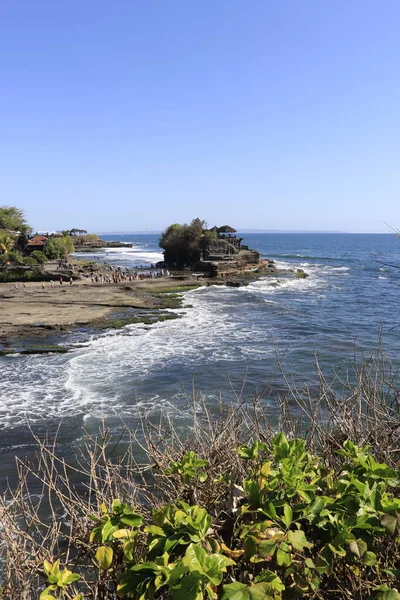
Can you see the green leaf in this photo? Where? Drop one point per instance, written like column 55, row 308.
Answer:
column 217, row 564
column 392, row 572
column 116, row 505
column 104, row 556
column 250, row 546
column 45, row 595
column 358, row 547
column 235, row 591
column 95, row 535
column 195, row 558
column 288, row 515
column 283, row 558
column 258, row 591
column 315, row 508
column 369, row 559
column 298, row 540
column 55, row 573
column 68, row 577
column 245, row 452
column 389, row 595
column 281, row 445
column 121, row 533
column 107, row 531
column 270, row 510
column 132, row 520
column 310, row 563
column 272, row 582
column 391, row 523
column 337, row 550
column 267, row 548
column 129, row 549
column 155, row 530
column 189, row 588
column 47, row 567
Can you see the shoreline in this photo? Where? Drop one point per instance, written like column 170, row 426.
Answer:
column 38, row 313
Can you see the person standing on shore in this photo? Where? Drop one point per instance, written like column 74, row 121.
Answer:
column 60, row 279
column 70, row 280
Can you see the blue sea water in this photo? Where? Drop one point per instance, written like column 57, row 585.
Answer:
column 225, row 343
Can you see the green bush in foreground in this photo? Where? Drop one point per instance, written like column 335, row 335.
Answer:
column 296, row 528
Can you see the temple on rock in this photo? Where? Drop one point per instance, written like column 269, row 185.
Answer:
column 212, row 252
column 227, row 247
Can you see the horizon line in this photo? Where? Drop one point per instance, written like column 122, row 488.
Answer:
column 248, row 230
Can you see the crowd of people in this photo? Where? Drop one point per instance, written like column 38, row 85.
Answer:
column 107, row 274
column 117, row 275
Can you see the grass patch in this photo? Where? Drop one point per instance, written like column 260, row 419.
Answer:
column 169, row 300
column 37, row 350
column 45, row 350
column 146, row 319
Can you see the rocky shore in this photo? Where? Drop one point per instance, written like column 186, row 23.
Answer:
column 34, row 311
column 39, row 313
column 94, row 245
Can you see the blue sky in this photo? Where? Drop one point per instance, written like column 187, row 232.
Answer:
column 130, row 115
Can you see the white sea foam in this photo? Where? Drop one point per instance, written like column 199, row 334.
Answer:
column 108, row 373
column 134, row 254
column 103, row 375
column 129, row 257
column 319, row 275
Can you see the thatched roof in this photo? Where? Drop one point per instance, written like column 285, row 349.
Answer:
column 215, row 228
column 226, row 229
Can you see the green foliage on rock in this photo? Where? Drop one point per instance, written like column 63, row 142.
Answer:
column 183, row 244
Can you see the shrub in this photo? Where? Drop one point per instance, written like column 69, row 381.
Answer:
column 39, row 257
column 59, row 247
column 300, row 529
column 14, row 258
column 232, row 512
column 28, row 260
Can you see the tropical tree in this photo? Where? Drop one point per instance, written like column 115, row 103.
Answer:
column 7, row 242
column 13, row 219
column 183, row 244
column 58, row 247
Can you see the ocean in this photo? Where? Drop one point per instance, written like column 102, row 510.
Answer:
column 227, row 343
